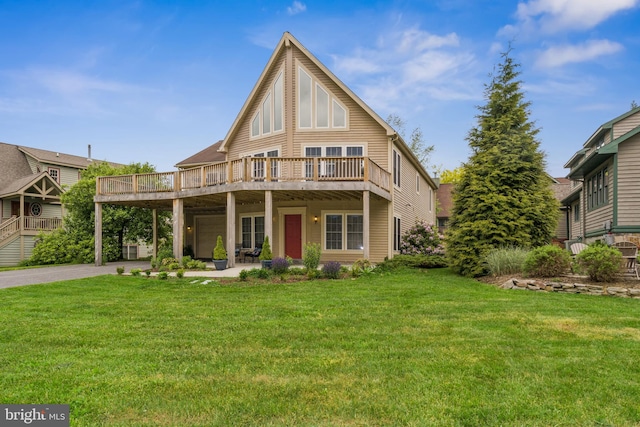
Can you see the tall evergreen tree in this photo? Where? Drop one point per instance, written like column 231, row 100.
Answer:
column 504, row 197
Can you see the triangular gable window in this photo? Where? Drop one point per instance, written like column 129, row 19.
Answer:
column 270, row 114
column 317, row 107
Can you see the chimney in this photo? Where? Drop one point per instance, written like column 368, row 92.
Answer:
column 89, row 153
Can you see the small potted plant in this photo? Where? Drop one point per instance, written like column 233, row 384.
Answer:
column 266, row 255
column 219, row 255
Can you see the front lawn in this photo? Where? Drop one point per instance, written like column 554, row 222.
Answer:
column 409, row 348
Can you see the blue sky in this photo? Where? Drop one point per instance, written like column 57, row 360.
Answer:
column 158, row 81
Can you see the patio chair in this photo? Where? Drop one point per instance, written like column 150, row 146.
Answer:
column 629, row 256
column 254, row 254
column 576, row 248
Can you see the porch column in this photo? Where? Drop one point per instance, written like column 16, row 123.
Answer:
column 154, row 215
column 231, row 229
column 178, row 228
column 22, row 218
column 365, row 224
column 98, row 235
column 268, row 216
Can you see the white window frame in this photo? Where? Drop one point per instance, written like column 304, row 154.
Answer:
column 311, row 117
column 323, row 152
column 252, row 216
column 344, row 241
column 56, row 178
column 397, row 232
column 267, row 107
column 397, row 168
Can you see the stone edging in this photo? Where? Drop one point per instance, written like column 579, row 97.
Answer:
column 570, row 288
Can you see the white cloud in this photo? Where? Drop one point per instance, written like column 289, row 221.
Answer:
column 69, row 82
column 415, row 40
column 296, row 7
column 551, row 16
column 557, row 56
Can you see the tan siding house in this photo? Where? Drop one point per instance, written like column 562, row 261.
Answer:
column 305, row 160
column 606, row 176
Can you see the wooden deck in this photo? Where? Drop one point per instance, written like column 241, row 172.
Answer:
column 254, row 173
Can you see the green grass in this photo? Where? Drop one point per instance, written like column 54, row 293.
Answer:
column 410, row 348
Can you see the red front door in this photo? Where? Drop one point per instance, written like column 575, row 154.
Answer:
column 293, row 236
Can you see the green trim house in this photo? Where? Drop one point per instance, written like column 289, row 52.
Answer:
column 604, row 202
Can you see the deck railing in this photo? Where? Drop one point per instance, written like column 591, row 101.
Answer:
column 250, row 169
column 29, row 223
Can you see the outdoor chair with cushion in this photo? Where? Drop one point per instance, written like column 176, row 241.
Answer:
column 629, row 256
column 576, row 248
column 254, row 254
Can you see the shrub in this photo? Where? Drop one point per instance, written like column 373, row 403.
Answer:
column 297, row 271
column 120, row 270
column 180, row 273
column 196, row 265
column 422, row 239
column 186, row 259
column 311, row 256
column 547, row 261
column 136, row 271
column 506, row 260
column 219, row 252
column 147, row 272
column 163, row 253
column 265, row 253
column 360, row 267
column 412, row 261
column 331, row 269
column 163, row 275
column 243, row 276
column 279, row 265
column 602, row 263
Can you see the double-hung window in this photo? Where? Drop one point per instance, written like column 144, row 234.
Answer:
column 397, row 162
column 598, row 189
column 252, row 230
column 343, row 231
column 259, row 165
column 54, row 173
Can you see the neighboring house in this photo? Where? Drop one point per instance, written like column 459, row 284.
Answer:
column 31, row 182
column 305, row 161
column 561, row 189
column 604, row 202
column 444, row 195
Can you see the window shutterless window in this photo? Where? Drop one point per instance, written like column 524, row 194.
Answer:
column 397, row 161
column 396, row 233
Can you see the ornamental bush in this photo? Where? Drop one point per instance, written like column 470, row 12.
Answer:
column 279, row 265
column 547, row 261
column 331, row 269
column 602, row 263
column 422, row 239
column 506, row 260
column 311, row 256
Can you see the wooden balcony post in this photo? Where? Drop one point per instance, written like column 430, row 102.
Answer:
column 178, row 228
column 203, row 177
column 267, row 165
column 98, row 235
column 315, row 168
column 365, row 224
column 154, row 214
column 366, row 169
column 231, row 229
column 268, row 216
column 177, row 185
column 229, row 166
column 134, row 183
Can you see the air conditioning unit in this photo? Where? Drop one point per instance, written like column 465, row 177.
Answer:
column 607, row 225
